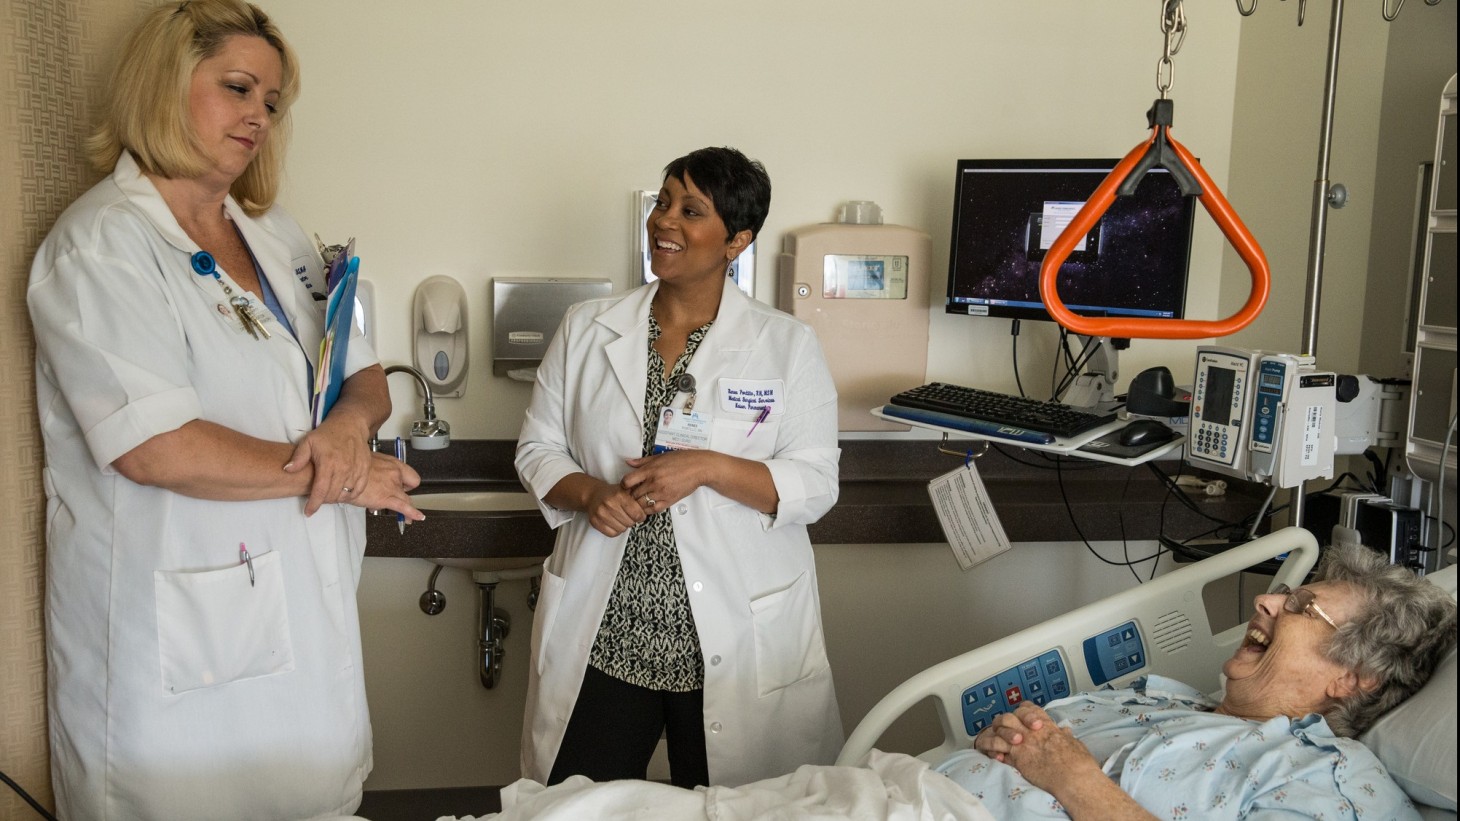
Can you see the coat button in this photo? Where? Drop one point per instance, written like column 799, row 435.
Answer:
column 714, row 661
column 715, row 727
column 683, row 509
column 698, row 586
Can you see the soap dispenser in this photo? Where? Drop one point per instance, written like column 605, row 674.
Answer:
column 439, row 320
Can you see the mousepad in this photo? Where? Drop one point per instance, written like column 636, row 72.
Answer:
column 1109, row 445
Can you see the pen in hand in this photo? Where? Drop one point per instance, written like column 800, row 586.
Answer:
column 400, row 453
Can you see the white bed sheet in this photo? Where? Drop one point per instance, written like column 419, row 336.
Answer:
column 892, row 787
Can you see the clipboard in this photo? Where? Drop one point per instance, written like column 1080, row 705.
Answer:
column 341, row 278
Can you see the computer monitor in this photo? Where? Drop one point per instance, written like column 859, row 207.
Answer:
column 1007, row 213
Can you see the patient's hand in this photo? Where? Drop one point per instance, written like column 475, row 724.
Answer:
column 1052, row 759
column 1048, row 756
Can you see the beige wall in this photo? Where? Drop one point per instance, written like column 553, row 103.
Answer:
column 513, row 150
column 482, row 139
column 1421, row 59
column 1387, row 104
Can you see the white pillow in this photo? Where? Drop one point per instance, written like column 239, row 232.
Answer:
column 1416, row 740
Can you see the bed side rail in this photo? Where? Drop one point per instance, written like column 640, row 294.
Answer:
column 1162, row 622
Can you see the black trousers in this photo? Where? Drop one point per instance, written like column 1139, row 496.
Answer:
column 615, row 727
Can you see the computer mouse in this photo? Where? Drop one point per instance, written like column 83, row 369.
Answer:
column 1143, row 432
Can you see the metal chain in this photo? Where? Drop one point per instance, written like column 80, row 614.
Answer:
column 1173, row 26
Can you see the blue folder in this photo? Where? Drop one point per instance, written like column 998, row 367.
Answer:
column 342, row 277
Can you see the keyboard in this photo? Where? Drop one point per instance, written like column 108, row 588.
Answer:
column 1003, row 409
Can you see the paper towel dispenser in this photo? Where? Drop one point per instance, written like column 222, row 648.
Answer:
column 525, row 315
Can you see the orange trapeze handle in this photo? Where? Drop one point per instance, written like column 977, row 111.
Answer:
column 1146, row 327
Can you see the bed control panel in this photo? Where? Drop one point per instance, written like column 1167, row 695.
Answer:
column 1041, row 679
column 1115, row 653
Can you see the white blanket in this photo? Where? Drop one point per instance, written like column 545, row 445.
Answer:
column 893, row 787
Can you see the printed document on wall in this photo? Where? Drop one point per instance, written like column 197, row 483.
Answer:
column 969, row 521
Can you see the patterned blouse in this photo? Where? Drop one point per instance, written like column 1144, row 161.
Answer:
column 647, row 636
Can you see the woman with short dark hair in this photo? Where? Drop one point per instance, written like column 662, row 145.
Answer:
column 681, row 598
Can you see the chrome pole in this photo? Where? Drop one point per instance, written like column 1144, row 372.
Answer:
column 1318, row 232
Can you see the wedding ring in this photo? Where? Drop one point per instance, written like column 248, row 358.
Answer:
column 346, row 489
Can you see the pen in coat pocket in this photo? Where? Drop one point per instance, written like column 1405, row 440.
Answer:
column 244, row 558
column 764, row 412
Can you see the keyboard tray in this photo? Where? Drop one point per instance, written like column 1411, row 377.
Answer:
column 1069, row 447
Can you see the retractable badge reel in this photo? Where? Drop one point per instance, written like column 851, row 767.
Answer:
column 205, row 266
column 685, row 383
column 681, row 429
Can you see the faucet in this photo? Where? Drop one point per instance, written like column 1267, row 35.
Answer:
column 429, row 433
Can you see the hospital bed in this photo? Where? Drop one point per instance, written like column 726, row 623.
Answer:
column 1161, row 627
column 1158, row 627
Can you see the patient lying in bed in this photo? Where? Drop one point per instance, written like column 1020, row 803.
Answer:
column 1318, row 664
column 1165, row 747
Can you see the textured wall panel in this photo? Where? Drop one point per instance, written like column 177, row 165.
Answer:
column 51, row 79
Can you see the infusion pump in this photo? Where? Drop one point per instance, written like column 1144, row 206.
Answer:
column 1265, row 417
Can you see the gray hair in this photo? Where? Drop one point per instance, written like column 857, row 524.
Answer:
column 1398, row 636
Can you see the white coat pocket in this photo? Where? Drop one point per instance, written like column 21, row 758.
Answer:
column 788, row 642
column 549, row 599
column 213, row 627
column 745, row 438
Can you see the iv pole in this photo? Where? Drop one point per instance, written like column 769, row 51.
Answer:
column 1324, row 195
column 1322, row 199
column 1318, row 229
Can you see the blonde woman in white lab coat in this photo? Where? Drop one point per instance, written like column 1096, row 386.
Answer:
column 681, row 596
column 203, row 542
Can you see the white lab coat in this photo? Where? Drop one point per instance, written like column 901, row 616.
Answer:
column 769, row 704
column 178, row 690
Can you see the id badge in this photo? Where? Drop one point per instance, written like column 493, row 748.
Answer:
column 681, row 430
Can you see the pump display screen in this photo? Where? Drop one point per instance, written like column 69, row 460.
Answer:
column 864, row 276
column 1217, row 407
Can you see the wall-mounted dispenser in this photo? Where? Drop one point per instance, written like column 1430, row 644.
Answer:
column 438, row 318
column 864, row 287
column 525, row 315
column 365, row 310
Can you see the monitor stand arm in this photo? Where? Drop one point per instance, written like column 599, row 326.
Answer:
column 1094, row 388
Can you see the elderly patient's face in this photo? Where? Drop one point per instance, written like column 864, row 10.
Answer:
column 1282, row 667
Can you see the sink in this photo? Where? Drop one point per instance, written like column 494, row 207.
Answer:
column 483, row 501
column 476, row 500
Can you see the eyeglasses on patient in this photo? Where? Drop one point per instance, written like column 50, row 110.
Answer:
column 1303, row 601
